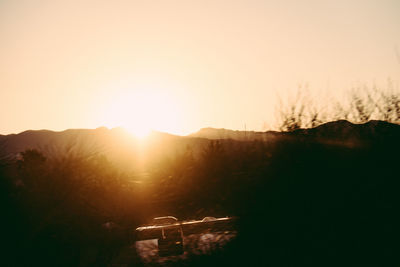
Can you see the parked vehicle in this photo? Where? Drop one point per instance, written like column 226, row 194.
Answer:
column 171, row 240
column 169, row 231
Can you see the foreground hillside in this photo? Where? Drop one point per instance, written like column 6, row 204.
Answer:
column 326, row 196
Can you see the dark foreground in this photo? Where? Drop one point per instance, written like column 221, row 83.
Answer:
column 301, row 201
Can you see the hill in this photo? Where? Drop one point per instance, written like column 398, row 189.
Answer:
column 340, row 132
column 120, row 147
column 126, row 151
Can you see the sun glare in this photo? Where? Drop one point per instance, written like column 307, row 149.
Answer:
column 139, row 132
column 141, row 112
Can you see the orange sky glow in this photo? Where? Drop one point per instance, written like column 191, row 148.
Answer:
column 178, row 66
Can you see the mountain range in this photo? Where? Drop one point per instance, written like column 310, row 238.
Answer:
column 125, row 150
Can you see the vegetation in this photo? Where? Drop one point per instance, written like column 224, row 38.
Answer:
column 301, row 201
column 363, row 104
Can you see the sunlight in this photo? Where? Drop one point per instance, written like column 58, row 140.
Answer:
column 141, row 112
column 139, row 132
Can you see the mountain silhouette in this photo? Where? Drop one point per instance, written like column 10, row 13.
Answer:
column 341, row 130
column 127, row 151
column 117, row 144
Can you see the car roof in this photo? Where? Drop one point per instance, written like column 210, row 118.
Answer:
column 165, row 220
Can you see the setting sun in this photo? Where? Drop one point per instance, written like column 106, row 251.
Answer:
column 142, row 111
column 140, row 132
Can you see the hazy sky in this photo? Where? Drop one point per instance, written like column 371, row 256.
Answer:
column 178, row 66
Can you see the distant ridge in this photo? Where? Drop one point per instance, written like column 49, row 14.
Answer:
column 117, row 144
column 343, row 129
column 126, row 151
column 215, row 134
column 337, row 130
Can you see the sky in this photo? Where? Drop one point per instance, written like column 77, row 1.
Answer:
column 178, row 66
